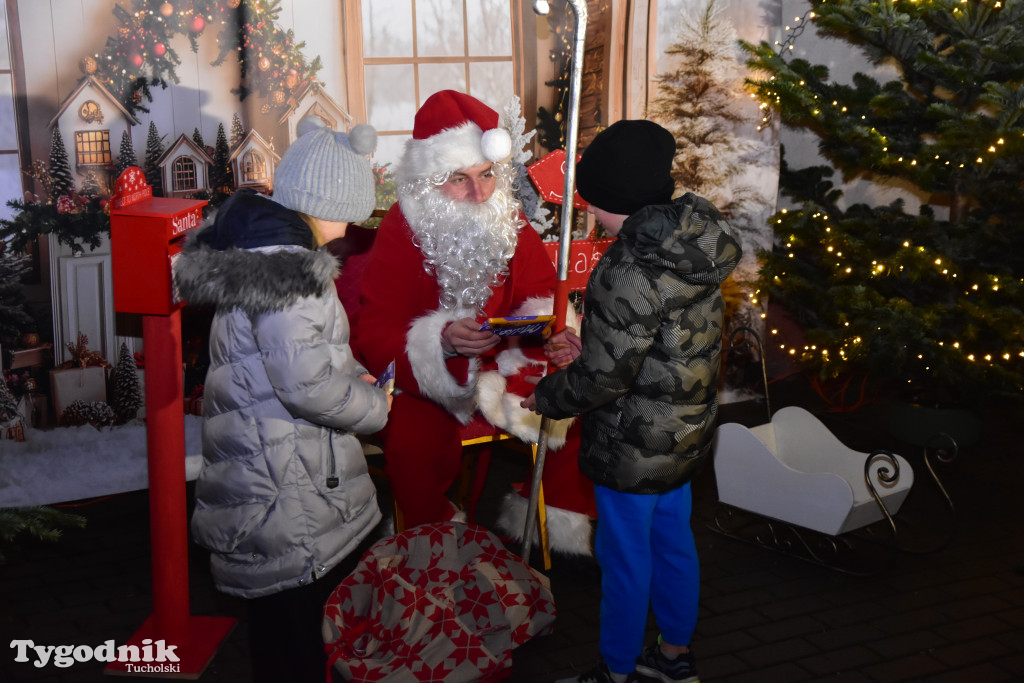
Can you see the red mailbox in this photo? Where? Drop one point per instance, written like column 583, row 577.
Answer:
column 145, row 234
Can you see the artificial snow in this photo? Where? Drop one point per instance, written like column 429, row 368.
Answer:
column 73, row 463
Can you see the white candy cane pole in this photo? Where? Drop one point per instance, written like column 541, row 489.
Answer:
column 541, row 7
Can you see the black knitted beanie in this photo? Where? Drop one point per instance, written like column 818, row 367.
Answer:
column 627, row 166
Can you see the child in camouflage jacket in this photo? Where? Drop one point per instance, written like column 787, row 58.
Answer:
column 644, row 376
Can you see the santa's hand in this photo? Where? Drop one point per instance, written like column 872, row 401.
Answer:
column 563, row 347
column 465, row 338
column 530, row 402
column 368, row 378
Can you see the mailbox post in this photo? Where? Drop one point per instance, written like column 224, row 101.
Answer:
column 145, row 234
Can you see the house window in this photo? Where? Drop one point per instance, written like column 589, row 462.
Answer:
column 92, row 147
column 254, row 167
column 183, row 174
column 414, row 48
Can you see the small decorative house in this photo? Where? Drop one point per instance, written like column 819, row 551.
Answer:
column 314, row 101
column 253, row 161
column 185, row 167
column 96, row 120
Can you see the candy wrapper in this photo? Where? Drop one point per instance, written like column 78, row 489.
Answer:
column 386, row 381
column 520, row 326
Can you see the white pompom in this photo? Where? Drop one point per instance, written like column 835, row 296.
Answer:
column 308, row 124
column 496, row 144
column 363, row 139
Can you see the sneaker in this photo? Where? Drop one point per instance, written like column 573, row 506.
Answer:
column 599, row 674
column 654, row 664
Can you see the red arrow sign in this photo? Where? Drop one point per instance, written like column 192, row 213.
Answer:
column 583, row 256
column 548, row 175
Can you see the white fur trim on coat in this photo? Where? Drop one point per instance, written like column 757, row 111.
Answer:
column 502, row 409
column 568, row 532
column 423, row 346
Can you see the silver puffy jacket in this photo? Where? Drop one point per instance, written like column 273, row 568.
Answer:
column 284, row 494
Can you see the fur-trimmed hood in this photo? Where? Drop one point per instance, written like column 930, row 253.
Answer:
column 253, row 255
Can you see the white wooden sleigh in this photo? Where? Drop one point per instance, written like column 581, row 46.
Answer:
column 791, row 485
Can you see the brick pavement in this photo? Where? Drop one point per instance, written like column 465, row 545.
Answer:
column 952, row 615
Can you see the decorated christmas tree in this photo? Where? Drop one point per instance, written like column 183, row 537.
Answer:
column 927, row 302
column 126, row 154
column 60, row 172
column 154, row 150
column 127, row 396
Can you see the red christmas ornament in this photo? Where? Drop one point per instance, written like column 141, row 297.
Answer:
column 136, row 60
column 198, row 23
column 159, row 49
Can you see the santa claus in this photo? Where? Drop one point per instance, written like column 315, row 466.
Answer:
column 455, row 250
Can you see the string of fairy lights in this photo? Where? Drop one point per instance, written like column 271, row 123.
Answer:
column 271, row 61
column 941, row 263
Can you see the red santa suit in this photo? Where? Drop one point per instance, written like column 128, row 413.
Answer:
column 401, row 319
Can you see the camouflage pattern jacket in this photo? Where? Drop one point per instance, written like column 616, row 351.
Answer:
column 646, row 382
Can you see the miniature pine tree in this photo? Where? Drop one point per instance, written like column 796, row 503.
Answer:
column 126, row 155
column 127, row 397
column 154, row 150
column 60, row 171
column 14, row 316
column 223, row 178
column 923, row 304
column 197, row 138
column 237, row 132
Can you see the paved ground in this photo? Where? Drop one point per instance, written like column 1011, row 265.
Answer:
column 956, row 614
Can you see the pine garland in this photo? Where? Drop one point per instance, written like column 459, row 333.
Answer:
column 139, row 55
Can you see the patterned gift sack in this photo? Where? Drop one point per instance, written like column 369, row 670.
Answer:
column 438, row 602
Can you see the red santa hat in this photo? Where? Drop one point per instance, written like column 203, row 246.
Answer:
column 453, row 131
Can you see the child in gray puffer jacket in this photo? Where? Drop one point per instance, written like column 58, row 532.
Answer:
column 284, row 494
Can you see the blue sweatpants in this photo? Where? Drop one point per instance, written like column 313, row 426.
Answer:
column 648, row 557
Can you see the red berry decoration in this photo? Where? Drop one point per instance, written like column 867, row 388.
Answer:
column 198, row 23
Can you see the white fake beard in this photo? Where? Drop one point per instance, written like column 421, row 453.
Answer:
column 466, row 246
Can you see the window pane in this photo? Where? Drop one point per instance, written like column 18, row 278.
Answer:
column 491, row 82
column 8, row 132
column 390, row 97
column 5, row 58
column 439, row 28
column 387, row 28
column 389, row 150
column 10, row 183
column 435, row 77
column 490, row 29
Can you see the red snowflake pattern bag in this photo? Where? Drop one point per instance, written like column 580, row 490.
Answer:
column 438, row 602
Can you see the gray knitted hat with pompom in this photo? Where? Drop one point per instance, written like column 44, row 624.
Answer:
column 325, row 174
